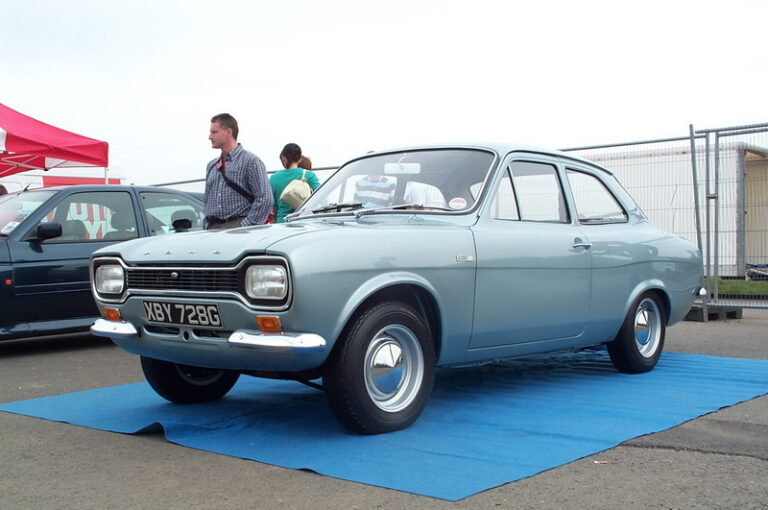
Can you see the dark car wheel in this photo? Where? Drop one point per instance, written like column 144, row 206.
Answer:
column 640, row 340
column 185, row 384
column 379, row 377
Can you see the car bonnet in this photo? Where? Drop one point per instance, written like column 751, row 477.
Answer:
column 210, row 246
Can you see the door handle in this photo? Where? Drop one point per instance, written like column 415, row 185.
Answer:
column 580, row 243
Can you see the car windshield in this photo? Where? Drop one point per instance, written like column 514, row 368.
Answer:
column 15, row 207
column 436, row 180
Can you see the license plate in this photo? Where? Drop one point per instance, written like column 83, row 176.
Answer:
column 184, row 314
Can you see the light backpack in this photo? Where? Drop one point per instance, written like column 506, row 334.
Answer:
column 296, row 192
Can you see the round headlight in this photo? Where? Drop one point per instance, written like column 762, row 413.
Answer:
column 109, row 279
column 266, row 282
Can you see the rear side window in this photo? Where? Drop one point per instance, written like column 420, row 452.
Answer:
column 595, row 204
column 167, row 213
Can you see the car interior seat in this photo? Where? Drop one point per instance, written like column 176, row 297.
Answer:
column 73, row 230
column 124, row 225
column 183, row 220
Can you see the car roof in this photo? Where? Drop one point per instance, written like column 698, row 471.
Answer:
column 500, row 148
column 116, row 187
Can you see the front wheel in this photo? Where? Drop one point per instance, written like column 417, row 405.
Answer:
column 381, row 374
column 186, row 384
column 640, row 340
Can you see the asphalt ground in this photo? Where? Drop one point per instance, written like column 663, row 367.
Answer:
column 719, row 460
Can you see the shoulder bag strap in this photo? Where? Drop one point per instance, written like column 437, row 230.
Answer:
column 235, row 186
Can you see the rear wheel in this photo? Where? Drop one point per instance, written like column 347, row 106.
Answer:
column 640, row 340
column 380, row 376
column 186, row 384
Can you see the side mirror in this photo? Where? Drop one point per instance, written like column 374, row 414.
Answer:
column 47, row 231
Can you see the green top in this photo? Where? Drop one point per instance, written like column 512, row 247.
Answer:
column 279, row 180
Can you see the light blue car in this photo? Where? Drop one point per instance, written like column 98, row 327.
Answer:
column 400, row 262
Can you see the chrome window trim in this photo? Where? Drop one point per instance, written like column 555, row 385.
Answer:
column 249, row 260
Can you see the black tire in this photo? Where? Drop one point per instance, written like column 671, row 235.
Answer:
column 380, row 375
column 185, row 384
column 640, row 341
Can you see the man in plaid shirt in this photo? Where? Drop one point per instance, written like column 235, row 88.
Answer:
column 237, row 191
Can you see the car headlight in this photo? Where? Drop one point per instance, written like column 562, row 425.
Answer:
column 266, row 282
column 109, row 279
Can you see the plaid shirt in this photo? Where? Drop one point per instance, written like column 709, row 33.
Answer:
column 248, row 171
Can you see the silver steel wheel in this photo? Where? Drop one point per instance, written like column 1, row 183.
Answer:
column 648, row 327
column 394, row 368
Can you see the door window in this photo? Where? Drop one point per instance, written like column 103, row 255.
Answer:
column 90, row 216
column 538, row 192
column 504, row 206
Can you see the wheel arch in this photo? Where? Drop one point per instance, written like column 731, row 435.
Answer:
column 415, row 293
column 658, row 289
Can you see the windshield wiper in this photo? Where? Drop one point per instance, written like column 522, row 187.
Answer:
column 338, row 207
column 414, row 207
column 419, row 207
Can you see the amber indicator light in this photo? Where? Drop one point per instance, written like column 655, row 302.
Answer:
column 269, row 324
column 112, row 314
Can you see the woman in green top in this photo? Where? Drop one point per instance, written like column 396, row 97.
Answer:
column 290, row 157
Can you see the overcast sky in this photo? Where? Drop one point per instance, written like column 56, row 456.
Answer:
column 341, row 78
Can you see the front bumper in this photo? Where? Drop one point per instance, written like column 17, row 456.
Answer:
column 242, row 350
column 120, row 330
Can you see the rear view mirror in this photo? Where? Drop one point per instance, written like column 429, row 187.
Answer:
column 402, row 168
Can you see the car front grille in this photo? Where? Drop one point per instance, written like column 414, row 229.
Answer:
column 183, row 279
column 219, row 282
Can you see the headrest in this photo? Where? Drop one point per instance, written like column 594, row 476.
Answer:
column 183, row 214
column 121, row 221
column 73, row 228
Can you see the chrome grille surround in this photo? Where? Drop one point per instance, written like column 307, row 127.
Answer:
column 183, row 279
column 195, row 281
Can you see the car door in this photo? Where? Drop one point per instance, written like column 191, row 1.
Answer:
column 533, row 263
column 51, row 276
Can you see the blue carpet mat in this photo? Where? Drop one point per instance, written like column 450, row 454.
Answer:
column 483, row 426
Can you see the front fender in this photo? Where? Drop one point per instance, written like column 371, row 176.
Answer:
column 376, row 284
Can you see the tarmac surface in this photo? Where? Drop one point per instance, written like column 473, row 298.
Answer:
column 719, row 460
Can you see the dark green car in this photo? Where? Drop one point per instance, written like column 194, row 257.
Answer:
column 47, row 236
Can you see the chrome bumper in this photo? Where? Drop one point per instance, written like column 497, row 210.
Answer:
column 114, row 329
column 282, row 342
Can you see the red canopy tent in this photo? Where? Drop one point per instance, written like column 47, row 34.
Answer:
column 28, row 144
